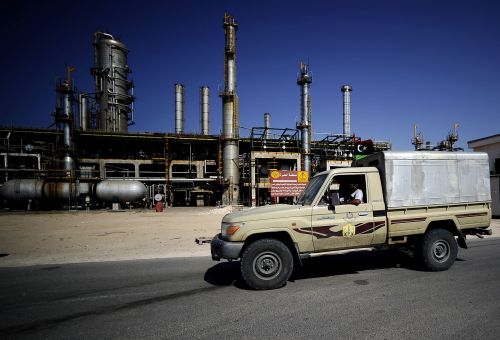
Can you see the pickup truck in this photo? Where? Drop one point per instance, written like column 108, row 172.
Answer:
column 425, row 201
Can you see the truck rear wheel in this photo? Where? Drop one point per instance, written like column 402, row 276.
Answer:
column 266, row 264
column 438, row 250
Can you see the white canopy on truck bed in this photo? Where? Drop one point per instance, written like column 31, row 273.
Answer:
column 423, row 178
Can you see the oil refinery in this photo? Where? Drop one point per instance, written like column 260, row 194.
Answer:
column 89, row 159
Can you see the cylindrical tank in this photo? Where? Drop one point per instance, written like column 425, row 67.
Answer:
column 346, row 90
column 120, row 191
column 22, row 189
column 205, row 109
column 68, row 164
column 112, row 85
column 179, row 108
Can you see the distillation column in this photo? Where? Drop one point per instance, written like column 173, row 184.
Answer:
column 112, row 87
column 230, row 121
column 205, row 110
column 346, row 90
column 64, row 116
column 304, row 80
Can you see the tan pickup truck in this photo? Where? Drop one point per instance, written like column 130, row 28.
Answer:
column 425, row 201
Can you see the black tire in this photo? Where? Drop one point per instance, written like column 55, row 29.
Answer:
column 438, row 250
column 266, row 264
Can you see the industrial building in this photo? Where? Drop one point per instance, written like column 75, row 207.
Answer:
column 89, row 159
column 491, row 145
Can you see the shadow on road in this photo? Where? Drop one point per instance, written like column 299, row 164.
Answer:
column 224, row 274
column 352, row 263
column 228, row 273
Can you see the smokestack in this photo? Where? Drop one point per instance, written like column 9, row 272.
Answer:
column 230, row 121
column 346, row 90
column 205, row 110
column 304, row 80
column 267, row 125
column 179, row 108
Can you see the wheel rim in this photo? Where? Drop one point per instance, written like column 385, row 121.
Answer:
column 441, row 251
column 267, row 265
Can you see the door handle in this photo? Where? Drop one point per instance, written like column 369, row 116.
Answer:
column 364, row 213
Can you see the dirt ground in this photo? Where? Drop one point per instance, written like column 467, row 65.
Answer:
column 32, row 238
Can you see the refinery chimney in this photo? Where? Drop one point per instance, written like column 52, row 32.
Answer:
column 179, row 108
column 230, row 121
column 267, row 125
column 205, row 110
column 346, row 90
column 304, row 80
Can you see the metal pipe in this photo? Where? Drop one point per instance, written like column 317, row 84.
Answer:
column 84, row 119
column 179, row 108
column 267, row 125
column 346, row 90
column 205, row 110
column 304, row 80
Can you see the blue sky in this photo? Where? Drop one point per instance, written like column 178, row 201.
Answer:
column 434, row 63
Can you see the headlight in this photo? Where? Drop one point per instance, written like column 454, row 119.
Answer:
column 228, row 229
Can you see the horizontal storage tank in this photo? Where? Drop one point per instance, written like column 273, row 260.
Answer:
column 22, row 189
column 65, row 190
column 120, row 191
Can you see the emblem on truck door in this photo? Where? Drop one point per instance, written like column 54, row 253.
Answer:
column 348, row 230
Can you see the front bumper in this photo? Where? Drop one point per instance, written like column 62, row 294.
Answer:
column 225, row 250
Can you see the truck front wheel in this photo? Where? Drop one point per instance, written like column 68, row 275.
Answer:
column 266, row 264
column 438, row 250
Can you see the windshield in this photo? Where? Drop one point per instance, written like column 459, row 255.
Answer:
column 311, row 190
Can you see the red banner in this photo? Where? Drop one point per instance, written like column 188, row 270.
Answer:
column 285, row 183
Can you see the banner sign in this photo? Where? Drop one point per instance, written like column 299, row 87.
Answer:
column 285, row 183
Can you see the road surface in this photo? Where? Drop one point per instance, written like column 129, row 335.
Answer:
column 359, row 295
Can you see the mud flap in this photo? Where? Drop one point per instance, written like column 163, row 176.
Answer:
column 461, row 240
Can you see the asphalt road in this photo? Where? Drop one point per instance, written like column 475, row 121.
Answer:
column 374, row 295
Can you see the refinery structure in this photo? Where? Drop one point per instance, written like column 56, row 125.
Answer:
column 88, row 158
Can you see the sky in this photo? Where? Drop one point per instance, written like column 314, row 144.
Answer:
column 430, row 63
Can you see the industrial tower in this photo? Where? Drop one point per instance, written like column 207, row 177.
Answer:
column 304, row 80
column 230, row 127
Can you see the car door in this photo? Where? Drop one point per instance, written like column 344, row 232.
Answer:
column 342, row 226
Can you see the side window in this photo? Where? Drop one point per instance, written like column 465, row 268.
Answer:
column 351, row 186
